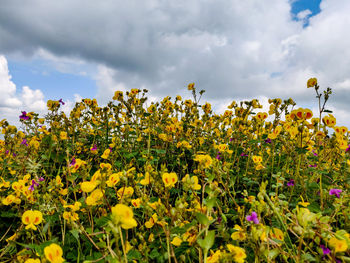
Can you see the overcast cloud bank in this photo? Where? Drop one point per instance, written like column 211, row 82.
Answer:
column 232, row 49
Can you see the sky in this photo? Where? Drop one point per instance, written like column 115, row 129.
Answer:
column 235, row 50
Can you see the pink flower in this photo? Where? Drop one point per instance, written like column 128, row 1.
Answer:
column 325, row 250
column 24, row 116
column 291, row 182
column 335, row 192
column 253, row 218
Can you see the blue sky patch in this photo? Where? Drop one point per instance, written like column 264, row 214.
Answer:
column 301, row 5
column 39, row 75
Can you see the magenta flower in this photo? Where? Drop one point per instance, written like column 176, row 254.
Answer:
column 94, row 148
column 347, row 149
column 291, row 182
column 268, row 140
column 61, row 101
column 253, row 218
column 335, row 192
column 24, row 116
column 313, row 165
column 73, row 162
column 32, row 187
column 218, row 156
column 243, row 154
column 325, row 250
column 24, row 142
column 41, row 179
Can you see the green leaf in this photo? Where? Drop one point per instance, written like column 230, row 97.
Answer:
column 210, row 203
column 75, row 233
column 134, row 254
column 46, row 227
column 208, row 241
column 203, row 219
column 308, row 257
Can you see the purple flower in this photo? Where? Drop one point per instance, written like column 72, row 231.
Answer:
column 61, row 101
column 253, row 217
column 218, row 156
column 41, row 179
column 335, row 192
column 24, row 116
column 313, row 165
column 291, row 182
column 24, row 142
column 7, row 152
column 268, row 140
column 94, row 148
column 34, row 184
column 243, row 154
column 73, row 162
column 325, row 250
column 347, row 149
column 313, row 151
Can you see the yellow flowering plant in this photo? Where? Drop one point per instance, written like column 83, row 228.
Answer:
column 173, row 180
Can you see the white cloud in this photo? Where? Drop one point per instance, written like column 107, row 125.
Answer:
column 303, row 15
column 232, row 49
column 12, row 102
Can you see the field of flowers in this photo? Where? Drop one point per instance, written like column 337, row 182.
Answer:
column 172, row 181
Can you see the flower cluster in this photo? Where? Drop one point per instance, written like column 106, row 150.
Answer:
column 172, row 180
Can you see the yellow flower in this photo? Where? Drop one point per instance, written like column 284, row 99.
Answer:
column 125, row 192
column 190, row 86
column 277, row 234
column 261, row 116
column 11, row 238
column 150, row 223
column 118, row 95
column 223, row 148
column 32, row 218
column 238, row 253
column 106, row 154
column 338, row 245
column 8, row 200
column 239, row 234
column 94, row 197
column 176, row 241
column 136, row 202
column 204, row 160
column 63, row 135
column 214, row 258
column 122, row 215
column 303, row 203
column 169, row 179
column 191, row 182
column 88, row 186
column 32, row 260
column 257, row 159
column 146, row 180
column 312, row 82
column 113, row 179
column 53, row 253
column 329, row 120
column 259, row 167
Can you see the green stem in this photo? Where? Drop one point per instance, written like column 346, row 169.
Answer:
column 290, row 244
column 122, row 241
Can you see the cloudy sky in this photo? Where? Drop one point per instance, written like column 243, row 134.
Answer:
column 233, row 49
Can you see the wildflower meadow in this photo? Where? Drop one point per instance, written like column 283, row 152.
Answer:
column 172, row 181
